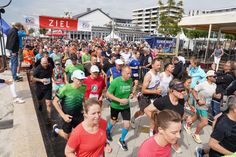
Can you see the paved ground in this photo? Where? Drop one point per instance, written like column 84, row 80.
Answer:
column 55, row 146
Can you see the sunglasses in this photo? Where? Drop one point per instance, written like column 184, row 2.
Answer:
column 180, row 91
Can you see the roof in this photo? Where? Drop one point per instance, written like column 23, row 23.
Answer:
column 224, row 21
column 88, row 12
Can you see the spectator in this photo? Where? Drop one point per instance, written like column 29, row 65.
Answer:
column 217, row 53
column 13, row 46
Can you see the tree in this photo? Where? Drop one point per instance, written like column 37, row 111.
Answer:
column 31, row 30
column 42, row 31
column 230, row 36
column 169, row 24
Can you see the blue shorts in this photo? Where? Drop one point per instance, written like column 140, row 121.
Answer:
column 202, row 113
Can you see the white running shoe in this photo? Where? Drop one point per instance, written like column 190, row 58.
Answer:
column 187, row 129
column 19, row 101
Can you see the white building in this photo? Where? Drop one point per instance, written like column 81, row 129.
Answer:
column 211, row 11
column 148, row 18
column 103, row 24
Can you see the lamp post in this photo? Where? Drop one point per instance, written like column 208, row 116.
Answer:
column 2, row 42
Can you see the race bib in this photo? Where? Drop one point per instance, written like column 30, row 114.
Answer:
column 135, row 75
column 48, row 81
column 94, row 96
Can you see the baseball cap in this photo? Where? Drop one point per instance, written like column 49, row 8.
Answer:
column 119, row 61
column 78, row 74
column 210, row 73
column 179, row 86
column 94, row 68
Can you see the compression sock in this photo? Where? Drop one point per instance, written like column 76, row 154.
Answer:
column 124, row 132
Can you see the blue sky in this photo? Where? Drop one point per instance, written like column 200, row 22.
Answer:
column 115, row 8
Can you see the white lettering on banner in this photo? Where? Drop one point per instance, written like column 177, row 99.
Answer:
column 84, row 26
column 58, row 23
column 29, row 20
column 50, row 23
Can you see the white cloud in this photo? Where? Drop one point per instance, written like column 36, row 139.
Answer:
column 115, row 8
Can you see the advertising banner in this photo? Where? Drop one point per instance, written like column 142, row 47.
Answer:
column 58, row 23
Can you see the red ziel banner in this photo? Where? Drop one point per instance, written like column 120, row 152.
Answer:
column 57, row 23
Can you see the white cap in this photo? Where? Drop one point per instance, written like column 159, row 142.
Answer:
column 210, row 73
column 78, row 74
column 94, row 68
column 119, row 61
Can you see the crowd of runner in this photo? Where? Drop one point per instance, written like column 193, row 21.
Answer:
column 76, row 76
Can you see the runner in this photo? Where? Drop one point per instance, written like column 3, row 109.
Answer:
column 119, row 92
column 42, row 75
column 168, row 125
column 202, row 93
column 72, row 67
column 95, row 85
column 150, row 91
column 89, row 137
column 173, row 101
column 70, row 97
column 165, row 78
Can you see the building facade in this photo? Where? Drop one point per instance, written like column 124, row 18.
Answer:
column 212, row 11
column 149, row 18
column 103, row 24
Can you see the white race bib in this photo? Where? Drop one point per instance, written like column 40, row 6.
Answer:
column 93, row 96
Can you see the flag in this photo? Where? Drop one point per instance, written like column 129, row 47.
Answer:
column 5, row 27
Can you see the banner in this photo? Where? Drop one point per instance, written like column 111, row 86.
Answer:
column 5, row 27
column 31, row 21
column 85, row 26
column 58, row 23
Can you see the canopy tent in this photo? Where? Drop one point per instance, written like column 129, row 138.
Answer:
column 55, row 33
column 220, row 22
column 183, row 37
column 112, row 36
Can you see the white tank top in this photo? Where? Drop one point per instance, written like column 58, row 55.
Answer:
column 155, row 80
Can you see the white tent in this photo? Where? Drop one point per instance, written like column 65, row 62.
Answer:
column 112, row 36
column 183, row 37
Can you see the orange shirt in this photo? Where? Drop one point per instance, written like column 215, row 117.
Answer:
column 28, row 56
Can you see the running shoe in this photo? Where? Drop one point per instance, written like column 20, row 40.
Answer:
column 187, row 129
column 199, row 152
column 197, row 138
column 123, row 145
column 55, row 126
column 109, row 138
column 176, row 148
column 18, row 100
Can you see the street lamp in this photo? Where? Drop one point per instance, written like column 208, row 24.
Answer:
column 3, row 4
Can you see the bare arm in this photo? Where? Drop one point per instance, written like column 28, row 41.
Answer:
column 67, row 118
column 37, row 79
column 69, row 152
column 214, row 144
column 26, row 30
column 121, row 101
column 194, row 92
column 66, row 78
column 222, row 52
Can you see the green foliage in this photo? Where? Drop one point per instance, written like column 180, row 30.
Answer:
column 42, row 31
column 169, row 24
column 192, row 34
column 31, row 30
column 230, row 36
